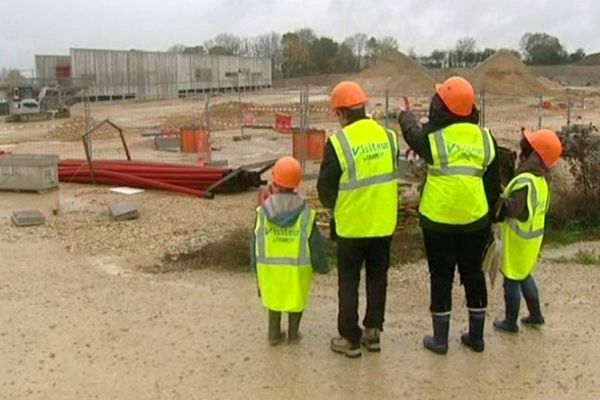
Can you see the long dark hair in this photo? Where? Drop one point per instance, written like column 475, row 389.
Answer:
column 526, row 148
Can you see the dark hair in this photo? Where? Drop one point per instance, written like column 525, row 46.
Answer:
column 526, row 148
column 353, row 114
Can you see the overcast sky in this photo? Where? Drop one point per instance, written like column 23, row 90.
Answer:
column 53, row 26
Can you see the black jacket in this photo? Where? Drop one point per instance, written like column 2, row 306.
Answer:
column 416, row 136
column 328, row 182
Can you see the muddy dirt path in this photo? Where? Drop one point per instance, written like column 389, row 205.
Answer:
column 75, row 327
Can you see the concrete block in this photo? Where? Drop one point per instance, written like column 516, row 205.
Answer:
column 28, row 218
column 167, row 143
column 123, row 211
column 28, row 172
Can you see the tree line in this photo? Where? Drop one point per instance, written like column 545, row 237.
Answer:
column 303, row 52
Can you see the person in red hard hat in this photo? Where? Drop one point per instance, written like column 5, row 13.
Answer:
column 358, row 181
column 457, row 203
column 286, row 246
column 525, row 202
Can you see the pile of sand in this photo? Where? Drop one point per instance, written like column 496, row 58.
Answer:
column 549, row 83
column 398, row 74
column 591, row 59
column 180, row 120
column 74, row 127
column 505, row 74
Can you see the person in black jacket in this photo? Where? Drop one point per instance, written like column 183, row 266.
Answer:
column 447, row 244
column 358, row 182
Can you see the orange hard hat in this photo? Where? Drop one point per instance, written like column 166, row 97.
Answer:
column 546, row 144
column 457, row 94
column 347, row 94
column 287, row 173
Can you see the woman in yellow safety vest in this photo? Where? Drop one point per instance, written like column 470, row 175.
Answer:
column 525, row 203
column 463, row 184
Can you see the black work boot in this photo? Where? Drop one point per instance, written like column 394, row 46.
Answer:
column 294, row 335
column 276, row 336
column 438, row 343
column 509, row 324
column 535, row 313
column 474, row 338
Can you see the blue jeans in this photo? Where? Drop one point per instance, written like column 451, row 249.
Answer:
column 512, row 297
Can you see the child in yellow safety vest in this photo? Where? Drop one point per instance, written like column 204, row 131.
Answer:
column 525, row 202
column 286, row 247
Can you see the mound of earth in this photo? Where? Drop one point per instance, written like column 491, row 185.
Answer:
column 505, row 74
column 74, row 127
column 397, row 73
column 591, row 59
column 549, row 83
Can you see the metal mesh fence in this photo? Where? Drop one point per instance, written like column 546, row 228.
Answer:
column 247, row 127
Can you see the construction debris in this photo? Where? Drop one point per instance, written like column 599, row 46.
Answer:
column 123, row 211
column 75, row 127
column 28, row 218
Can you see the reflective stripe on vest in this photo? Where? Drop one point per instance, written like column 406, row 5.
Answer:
column 303, row 257
column 522, row 241
column 368, row 184
column 445, row 169
column 353, row 181
column 512, row 222
column 454, row 193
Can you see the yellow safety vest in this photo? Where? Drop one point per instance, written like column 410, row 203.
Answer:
column 522, row 241
column 454, row 193
column 283, row 265
column 367, row 201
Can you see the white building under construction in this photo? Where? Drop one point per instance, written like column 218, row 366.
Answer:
column 145, row 75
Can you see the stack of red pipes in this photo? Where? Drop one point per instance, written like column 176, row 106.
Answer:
column 188, row 179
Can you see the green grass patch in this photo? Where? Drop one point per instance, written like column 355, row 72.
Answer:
column 570, row 234
column 582, row 257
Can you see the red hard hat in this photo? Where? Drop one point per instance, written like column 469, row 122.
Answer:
column 546, row 144
column 457, row 94
column 287, row 173
column 347, row 94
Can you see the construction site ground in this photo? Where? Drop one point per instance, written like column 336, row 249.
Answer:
column 85, row 313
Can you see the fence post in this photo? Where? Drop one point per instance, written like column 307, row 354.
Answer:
column 568, row 110
column 241, row 112
column 540, row 109
column 207, row 122
column 482, row 108
column 387, row 107
column 87, row 116
column 303, row 127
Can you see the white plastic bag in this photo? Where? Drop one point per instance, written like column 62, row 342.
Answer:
column 493, row 257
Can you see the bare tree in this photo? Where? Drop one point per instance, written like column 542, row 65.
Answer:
column 466, row 45
column 465, row 51
column 269, row 46
column 176, row 48
column 357, row 43
column 11, row 76
column 307, row 36
column 387, row 44
column 231, row 44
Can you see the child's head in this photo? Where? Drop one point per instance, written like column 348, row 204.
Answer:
column 287, row 174
column 545, row 143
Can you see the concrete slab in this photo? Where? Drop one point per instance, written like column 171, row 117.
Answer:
column 167, row 143
column 123, row 211
column 28, row 218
